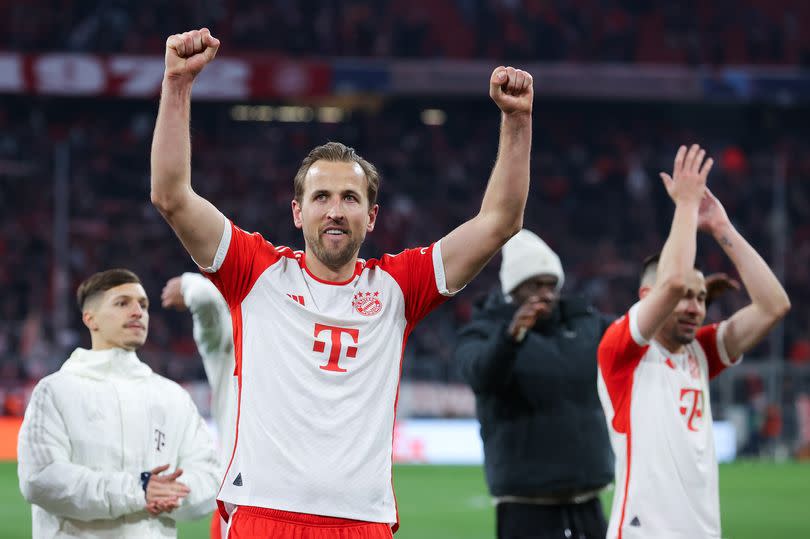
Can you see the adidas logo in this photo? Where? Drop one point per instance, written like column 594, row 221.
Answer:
column 635, row 522
column 238, row 480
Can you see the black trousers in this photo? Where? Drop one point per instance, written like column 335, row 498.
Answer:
column 570, row 521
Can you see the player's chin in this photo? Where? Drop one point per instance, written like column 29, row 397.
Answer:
column 685, row 337
column 134, row 343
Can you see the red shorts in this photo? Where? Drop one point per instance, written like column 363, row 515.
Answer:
column 218, row 526
column 253, row 522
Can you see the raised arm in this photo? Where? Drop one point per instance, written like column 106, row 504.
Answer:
column 467, row 249
column 769, row 301
column 685, row 187
column 197, row 223
column 212, row 320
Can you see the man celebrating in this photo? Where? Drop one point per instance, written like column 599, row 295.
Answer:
column 655, row 364
column 530, row 356
column 98, row 433
column 319, row 334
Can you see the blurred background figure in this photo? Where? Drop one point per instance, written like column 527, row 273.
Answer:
column 655, row 364
column 99, row 434
column 213, row 333
column 530, row 358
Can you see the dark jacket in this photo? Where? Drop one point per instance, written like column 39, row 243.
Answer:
column 542, row 424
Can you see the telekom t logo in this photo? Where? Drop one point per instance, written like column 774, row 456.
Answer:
column 335, row 345
column 693, row 406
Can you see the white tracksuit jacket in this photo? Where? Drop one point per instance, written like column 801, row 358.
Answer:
column 213, row 333
column 89, row 431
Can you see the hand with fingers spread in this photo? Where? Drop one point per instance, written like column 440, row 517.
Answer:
column 188, row 53
column 164, row 492
column 688, row 180
column 512, row 90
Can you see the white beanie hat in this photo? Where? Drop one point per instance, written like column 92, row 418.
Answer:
column 525, row 256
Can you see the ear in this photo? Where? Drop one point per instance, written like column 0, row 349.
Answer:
column 88, row 317
column 372, row 217
column 643, row 291
column 296, row 211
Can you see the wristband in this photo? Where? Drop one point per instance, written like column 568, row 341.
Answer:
column 145, row 477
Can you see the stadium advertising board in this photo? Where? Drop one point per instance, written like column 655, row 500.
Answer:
column 141, row 76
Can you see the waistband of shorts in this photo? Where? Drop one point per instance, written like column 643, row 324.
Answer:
column 573, row 498
column 303, row 518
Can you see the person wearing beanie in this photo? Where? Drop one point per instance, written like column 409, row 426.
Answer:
column 530, row 357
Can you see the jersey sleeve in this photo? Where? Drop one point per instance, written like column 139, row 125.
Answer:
column 239, row 261
column 419, row 273
column 620, row 351
column 711, row 340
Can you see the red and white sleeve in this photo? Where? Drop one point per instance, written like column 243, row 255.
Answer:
column 620, row 351
column 240, row 258
column 711, row 340
column 420, row 275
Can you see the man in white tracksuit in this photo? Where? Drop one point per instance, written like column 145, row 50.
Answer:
column 213, row 333
column 100, row 435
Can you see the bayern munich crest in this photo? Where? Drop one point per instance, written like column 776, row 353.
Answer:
column 367, row 303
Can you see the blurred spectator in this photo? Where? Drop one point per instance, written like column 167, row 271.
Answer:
column 595, row 190
column 624, row 31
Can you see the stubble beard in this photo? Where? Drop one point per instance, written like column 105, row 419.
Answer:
column 683, row 338
column 334, row 258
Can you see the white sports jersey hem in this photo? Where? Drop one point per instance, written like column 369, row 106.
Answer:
column 438, row 268
column 721, row 346
column 634, row 330
column 222, row 250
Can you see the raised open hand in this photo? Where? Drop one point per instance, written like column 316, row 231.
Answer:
column 688, row 180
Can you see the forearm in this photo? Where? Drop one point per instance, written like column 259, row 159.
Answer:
column 210, row 313
column 766, row 292
column 678, row 253
column 505, row 197
column 486, row 362
column 73, row 491
column 171, row 145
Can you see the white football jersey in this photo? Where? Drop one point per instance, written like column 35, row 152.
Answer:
column 660, row 421
column 318, row 366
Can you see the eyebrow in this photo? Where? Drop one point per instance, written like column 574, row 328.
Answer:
column 328, row 192
column 127, row 296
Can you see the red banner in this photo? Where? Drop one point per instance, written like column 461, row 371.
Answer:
column 140, row 76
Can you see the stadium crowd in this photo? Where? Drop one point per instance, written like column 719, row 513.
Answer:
column 596, row 199
column 626, row 31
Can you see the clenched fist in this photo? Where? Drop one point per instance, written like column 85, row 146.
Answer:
column 188, row 53
column 512, row 90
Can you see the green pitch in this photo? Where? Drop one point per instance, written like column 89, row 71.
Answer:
column 758, row 500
